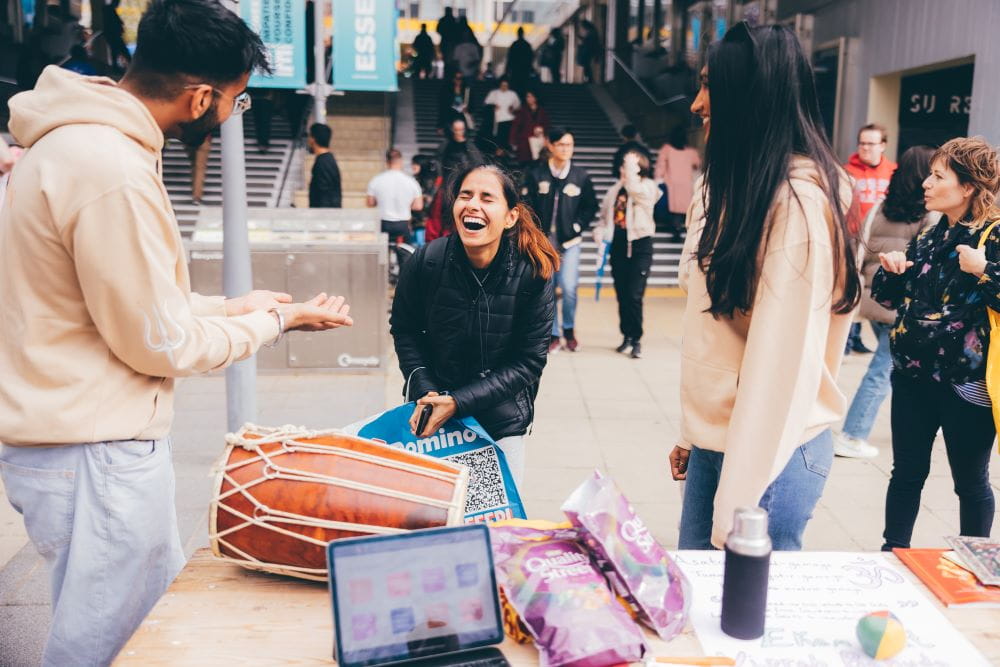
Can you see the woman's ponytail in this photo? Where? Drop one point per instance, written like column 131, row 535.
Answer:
column 533, row 244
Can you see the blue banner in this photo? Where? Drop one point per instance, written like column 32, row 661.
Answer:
column 281, row 25
column 364, row 45
column 493, row 496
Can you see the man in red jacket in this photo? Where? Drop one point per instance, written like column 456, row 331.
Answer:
column 871, row 172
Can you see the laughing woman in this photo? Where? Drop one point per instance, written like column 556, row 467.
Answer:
column 473, row 311
column 771, row 285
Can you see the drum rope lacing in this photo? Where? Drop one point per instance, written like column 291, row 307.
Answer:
column 265, row 517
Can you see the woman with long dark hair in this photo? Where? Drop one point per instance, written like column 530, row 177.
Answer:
column 942, row 286
column 772, row 283
column 473, row 311
column 889, row 226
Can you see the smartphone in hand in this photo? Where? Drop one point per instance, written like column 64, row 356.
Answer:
column 425, row 416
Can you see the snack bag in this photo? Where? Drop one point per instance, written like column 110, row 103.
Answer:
column 639, row 568
column 563, row 600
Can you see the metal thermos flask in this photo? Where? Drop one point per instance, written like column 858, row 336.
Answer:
column 744, row 582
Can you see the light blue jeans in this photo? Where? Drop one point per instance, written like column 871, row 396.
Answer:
column 873, row 389
column 789, row 500
column 567, row 278
column 102, row 515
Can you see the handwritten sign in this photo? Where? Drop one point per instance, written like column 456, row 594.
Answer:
column 814, row 602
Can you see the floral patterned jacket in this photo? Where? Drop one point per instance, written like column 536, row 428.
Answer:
column 942, row 329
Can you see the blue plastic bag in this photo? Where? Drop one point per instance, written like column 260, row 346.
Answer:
column 493, row 496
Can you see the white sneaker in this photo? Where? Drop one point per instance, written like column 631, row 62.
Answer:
column 852, row 448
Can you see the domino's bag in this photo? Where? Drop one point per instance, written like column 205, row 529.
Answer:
column 493, row 496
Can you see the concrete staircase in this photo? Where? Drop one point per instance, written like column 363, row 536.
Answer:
column 265, row 172
column 572, row 106
column 362, row 131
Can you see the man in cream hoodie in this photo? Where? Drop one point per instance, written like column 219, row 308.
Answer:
column 99, row 319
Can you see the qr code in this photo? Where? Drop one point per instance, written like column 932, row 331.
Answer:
column 486, row 487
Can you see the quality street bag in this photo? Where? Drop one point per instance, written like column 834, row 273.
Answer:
column 493, row 496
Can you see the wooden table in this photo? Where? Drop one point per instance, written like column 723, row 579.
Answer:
column 216, row 613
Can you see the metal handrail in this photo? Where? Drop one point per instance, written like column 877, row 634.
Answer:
column 652, row 98
column 503, row 19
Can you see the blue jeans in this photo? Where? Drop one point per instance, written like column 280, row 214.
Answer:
column 789, row 500
column 102, row 515
column 567, row 278
column 873, row 389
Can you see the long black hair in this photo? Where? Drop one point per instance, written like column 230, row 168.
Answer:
column 764, row 112
column 904, row 200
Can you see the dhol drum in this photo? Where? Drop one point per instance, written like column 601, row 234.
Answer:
column 282, row 493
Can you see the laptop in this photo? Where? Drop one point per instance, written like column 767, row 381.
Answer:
column 425, row 598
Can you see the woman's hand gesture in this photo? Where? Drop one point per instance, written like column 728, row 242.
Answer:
column 443, row 408
column 894, row 262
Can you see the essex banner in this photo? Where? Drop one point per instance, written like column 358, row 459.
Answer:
column 364, row 45
column 281, row 25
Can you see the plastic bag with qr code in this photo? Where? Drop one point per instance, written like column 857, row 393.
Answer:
column 493, row 496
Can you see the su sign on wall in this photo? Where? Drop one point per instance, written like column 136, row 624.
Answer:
column 364, row 45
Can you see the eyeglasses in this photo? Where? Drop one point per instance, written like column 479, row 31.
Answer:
column 869, row 144
column 241, row 103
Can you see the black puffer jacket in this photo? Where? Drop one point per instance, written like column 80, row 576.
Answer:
column 486, row 345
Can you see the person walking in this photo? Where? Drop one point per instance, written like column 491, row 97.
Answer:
column 447, row 30
column 472, row 313
column 423, row 47
column 677, row 166
column 890, row 226
column 397, row 195
column 468, row 53
column 531, row 122
column 772, row 283
column 505, row 103
column 520, row 63
column 552, row 55
column 942, row 286
column 457, row 150
column 627, row 221
column 91, row 346
column 453, row 102
column 588, row 49
column 630, row 144
column 324, row 186
column 198, row 157
column 562, row 195
column 871, row 172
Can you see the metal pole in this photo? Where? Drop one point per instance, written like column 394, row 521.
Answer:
column 319, row 57
column 237, row 278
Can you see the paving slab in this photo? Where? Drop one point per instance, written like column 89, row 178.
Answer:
column 595, row 409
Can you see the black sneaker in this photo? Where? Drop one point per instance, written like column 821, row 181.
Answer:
column 636, row 350
column 859, row 347
column 626, row 344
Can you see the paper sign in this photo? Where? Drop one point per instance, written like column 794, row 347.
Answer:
column 814, row 602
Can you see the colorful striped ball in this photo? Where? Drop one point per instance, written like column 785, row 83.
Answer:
column 881, row 635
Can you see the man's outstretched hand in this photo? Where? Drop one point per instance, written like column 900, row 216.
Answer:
column 319, row 313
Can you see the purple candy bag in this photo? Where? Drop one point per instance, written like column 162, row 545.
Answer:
column 564, row 601
column 639, row 568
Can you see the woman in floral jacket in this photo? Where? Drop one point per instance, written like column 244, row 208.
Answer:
column 942, row 286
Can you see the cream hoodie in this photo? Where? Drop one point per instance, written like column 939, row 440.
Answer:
column 759, row 385
column 98, row 315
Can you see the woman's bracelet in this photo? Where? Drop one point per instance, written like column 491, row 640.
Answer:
column 281, row 327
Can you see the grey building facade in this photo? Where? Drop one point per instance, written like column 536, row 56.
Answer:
column 928, row 70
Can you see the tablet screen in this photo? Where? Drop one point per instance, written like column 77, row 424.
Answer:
column 413, row 595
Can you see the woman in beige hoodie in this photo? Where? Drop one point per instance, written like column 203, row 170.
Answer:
column 771, row 285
